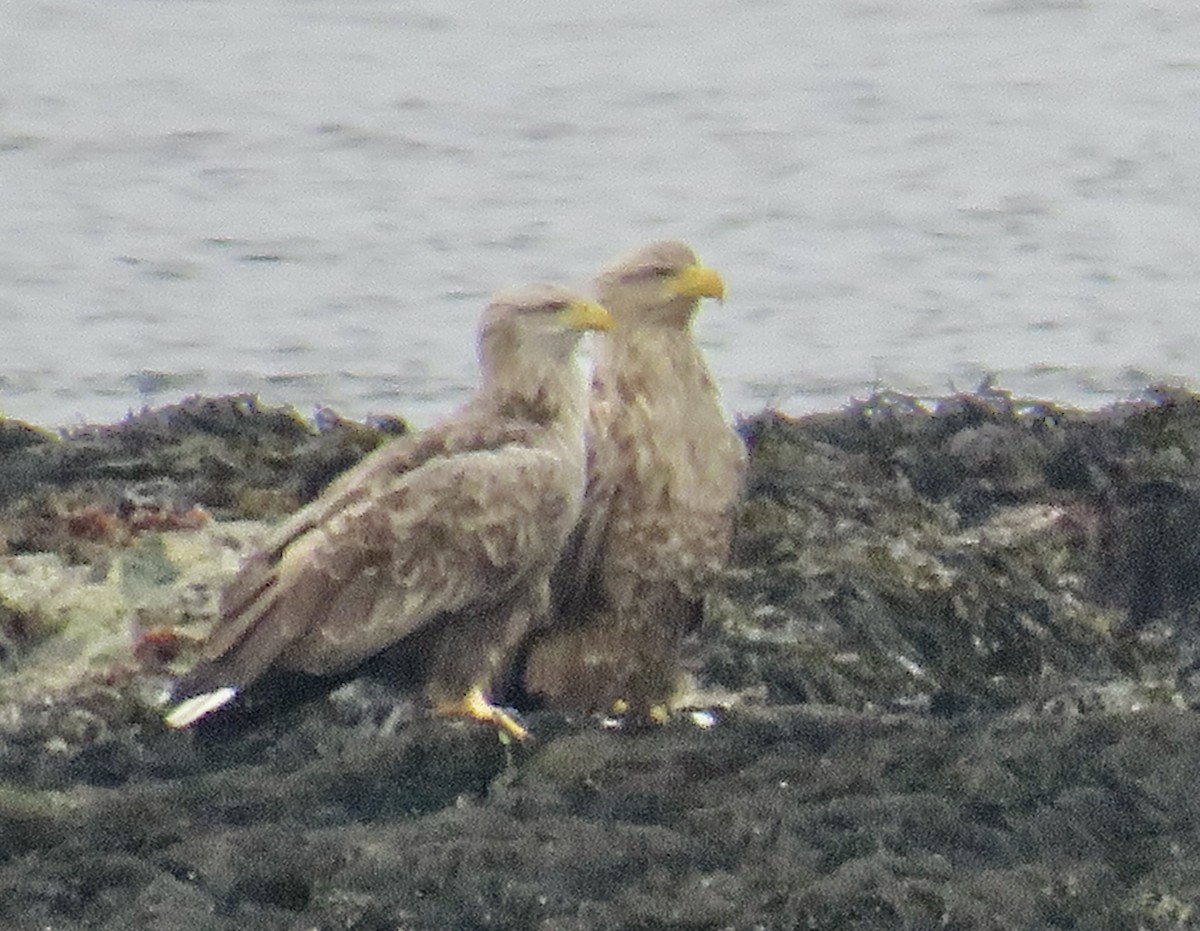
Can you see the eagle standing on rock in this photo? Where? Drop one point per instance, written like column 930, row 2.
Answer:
column 664, row 473
column 443, row 541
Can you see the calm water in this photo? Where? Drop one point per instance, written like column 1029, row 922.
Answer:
column 311, row 199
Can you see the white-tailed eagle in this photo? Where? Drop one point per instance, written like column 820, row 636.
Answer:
column 444, row 540
column 665, row 470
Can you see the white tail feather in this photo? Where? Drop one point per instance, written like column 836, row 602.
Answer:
column 191, row 710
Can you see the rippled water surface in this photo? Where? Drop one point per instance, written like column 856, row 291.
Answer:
column 312, row 200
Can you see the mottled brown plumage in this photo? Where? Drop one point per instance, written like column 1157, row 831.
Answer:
column 449, row 535
column 664, row 472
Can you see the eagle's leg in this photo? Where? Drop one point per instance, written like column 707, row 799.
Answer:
column 475, row 705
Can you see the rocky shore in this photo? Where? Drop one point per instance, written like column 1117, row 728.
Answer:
column 949, row 682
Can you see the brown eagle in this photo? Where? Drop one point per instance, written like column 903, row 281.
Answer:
column 444, row 540
column 664, row 472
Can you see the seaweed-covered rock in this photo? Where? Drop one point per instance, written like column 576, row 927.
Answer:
column 948, row 681
column 230, row 455
column 975, row 552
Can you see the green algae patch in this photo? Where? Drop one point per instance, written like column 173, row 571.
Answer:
column 70, row 624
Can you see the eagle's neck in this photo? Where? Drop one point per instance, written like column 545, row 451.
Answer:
column 546, row 396
column 665, row 436
column 645, row 363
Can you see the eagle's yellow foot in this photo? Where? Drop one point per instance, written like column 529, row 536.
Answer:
column 474, row 705
column 656, row 714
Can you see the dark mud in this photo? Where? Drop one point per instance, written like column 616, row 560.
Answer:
column 949, row 682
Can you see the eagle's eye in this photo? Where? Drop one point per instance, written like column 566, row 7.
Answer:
column 650, row 273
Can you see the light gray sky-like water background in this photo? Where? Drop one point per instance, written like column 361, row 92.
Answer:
column 311, row 200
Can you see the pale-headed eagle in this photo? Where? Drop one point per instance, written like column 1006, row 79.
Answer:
column 664, row 473
column 444, row 540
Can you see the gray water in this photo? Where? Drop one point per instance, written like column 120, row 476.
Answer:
column 312, row 200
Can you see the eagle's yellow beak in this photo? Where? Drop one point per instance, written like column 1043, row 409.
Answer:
column 586, row 315
column 698, row 281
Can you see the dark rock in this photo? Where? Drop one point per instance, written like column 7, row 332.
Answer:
column 231, row 455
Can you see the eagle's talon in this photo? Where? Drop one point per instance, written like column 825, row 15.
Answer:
column 475, row 705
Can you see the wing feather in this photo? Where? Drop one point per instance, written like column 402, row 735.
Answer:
column 457, row 533
column 576, row 582
column 421, row 527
